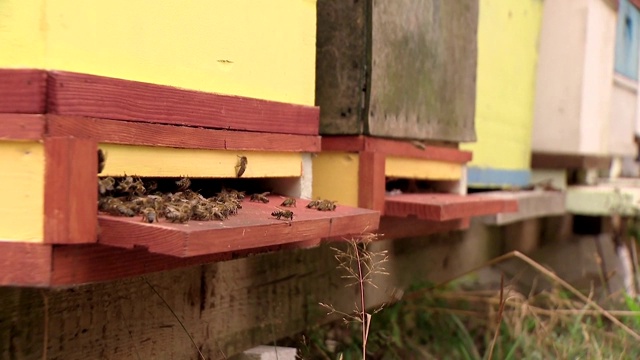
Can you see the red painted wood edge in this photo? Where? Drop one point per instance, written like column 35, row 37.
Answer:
column 23, row 91
column 394, row 148
column 253, row 228
column 103, row 97
column 22, row 127
column 24, row 264
column 137, row 133
column 70, row 194
column 443, row 207
column 75, row 265
column 371, row 181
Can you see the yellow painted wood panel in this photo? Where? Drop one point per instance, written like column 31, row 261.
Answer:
column 335, row 177
column 172, row 162
column 409, row 168
column 22, row 191
column 259, row 49
column 508, row 33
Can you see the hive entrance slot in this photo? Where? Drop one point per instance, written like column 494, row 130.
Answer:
column 396, row 186
column 183, row 199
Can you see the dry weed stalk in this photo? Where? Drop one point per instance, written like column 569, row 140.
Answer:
column 588, row 302
column 360, row 266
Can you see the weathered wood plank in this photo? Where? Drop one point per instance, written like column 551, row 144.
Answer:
column 395, row 148
column 442, row 207
column 544, row 160
column 136, row 133
column 102, row 97
column 423, row 78
column 226, row 307
column 23, row 91
column 531, row 204
column 342, row 65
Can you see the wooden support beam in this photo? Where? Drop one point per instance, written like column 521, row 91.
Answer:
column 102, row 97
column 21, row 127
column 70, row 194
column 138, row 133
column 371, row 181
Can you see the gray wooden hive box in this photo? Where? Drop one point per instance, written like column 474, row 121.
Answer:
column 401, row 69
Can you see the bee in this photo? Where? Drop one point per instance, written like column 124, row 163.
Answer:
column 115, row 206
column 155, row 202
column 183, row 184
column 241, row 166
column 289, row 202
column 130, row 186
column 106, row 184
column 283, row 214
column 202, row 212
column 180, row 214
column 102, row 159
column 326, row 205
column 260, row 197
column 149, row 215
column 313, row 204
column 151, row 186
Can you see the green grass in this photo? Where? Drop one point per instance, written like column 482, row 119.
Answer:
column 453, row 323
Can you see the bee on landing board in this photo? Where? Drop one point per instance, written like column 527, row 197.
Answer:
column 260, row 197
column 289, row 202
column 286, row 214
column 149, row 215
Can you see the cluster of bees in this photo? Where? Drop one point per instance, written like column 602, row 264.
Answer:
column 131, row 196
column 140, row 198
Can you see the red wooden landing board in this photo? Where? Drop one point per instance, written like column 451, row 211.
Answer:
column 443, row 207
column 253, row 228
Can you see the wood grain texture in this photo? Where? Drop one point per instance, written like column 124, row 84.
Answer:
column 226, row 306
column 24, row 264
column 395, row 148
column 70, row 194
column 543, row 160
column 23, row 91
column 102, row 97
column 137, row 133
column 21, row 127
column 371, row 181
column 396, row 227
column 531, row 205
column 423, row 70
column 252, row 229
column 442, row 207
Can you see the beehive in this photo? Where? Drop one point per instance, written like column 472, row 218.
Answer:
column 80, row 77
column 400, row 69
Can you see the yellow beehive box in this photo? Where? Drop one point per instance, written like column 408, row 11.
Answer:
column 262, row 50
column 508, row 34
